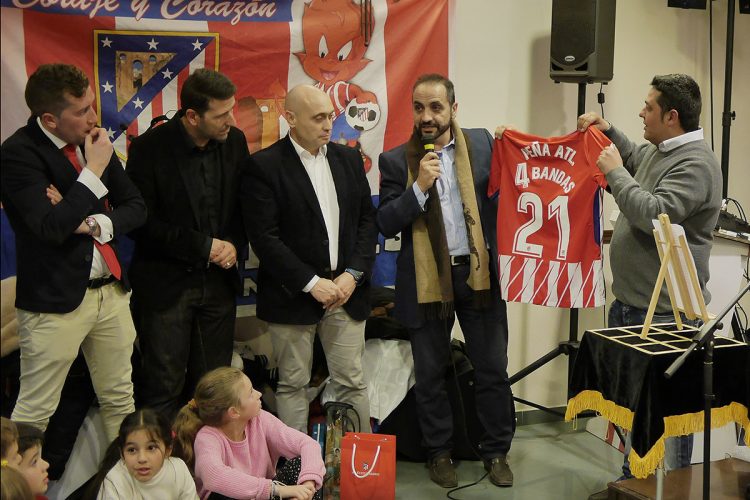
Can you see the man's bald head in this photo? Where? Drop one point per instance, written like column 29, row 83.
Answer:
column 309, row 112
column 304, row 95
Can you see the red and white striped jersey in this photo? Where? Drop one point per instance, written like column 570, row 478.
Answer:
column 549, row 218
column 339, row 94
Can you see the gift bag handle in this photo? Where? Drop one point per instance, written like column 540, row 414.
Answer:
column 375, row 461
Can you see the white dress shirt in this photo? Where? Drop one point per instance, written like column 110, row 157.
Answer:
column 450, row 201
column 319, row 171
column 89, row 179
column 674, row 142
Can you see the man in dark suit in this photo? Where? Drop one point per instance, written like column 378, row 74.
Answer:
column 309, row 216
column 66, row 204
column 447, row 268
column 184, row 272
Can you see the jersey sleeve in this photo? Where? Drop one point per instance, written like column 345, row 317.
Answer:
column 594, row 142
column 493, row 187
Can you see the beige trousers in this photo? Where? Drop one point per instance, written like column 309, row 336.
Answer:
column 343, row 342
column 103, row 328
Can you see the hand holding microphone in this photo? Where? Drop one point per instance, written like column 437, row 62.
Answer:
column 429, row 165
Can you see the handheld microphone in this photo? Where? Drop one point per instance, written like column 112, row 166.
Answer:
column 428, row 143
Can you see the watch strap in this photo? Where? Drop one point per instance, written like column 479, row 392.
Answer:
column 357, row 275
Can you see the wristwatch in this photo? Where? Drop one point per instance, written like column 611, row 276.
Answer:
column 92, row 224
column 358, row 275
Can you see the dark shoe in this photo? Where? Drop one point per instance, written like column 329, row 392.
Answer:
column 500, row 473
column 442, row 471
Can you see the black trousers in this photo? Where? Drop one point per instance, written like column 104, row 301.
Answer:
column 486, row 335
column 184, row 341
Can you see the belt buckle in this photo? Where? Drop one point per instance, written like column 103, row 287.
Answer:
column 100, row 282
column 457, row 260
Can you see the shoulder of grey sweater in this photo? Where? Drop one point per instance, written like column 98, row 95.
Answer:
column 697, row 151
column 696, row 159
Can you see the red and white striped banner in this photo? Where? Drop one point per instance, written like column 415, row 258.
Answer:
column 366, row 54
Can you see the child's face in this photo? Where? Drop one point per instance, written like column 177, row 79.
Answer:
column 249, row 399
column 34, row 469
column 13, row 457
column 143, row 455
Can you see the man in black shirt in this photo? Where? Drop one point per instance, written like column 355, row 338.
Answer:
column 184, row 271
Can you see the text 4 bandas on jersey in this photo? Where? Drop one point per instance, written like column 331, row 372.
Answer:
column 549, row 222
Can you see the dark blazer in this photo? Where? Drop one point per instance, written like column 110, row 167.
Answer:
column 54, row 263
column 169, row 249
column 399, row 207
column 287, row 232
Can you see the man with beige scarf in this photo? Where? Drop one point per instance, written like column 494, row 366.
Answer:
column 447, row 269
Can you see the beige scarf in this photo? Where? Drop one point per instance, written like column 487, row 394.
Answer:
column 431, row 258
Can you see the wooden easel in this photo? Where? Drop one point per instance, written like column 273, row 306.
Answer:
column 678, row 270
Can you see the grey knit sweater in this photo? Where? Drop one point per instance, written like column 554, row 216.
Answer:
column 685, row 183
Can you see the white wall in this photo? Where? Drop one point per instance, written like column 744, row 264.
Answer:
column 501, row 72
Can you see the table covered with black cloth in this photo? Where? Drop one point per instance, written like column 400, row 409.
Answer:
column 621, row 376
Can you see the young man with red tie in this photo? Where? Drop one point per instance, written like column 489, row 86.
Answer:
column 67, row 198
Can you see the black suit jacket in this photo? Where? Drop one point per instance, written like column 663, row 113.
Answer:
column 54, row 263
column 399, row 208
column 287, row 232
column 170, row 250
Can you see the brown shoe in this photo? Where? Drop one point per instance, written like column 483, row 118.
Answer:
column 442, row 471
column 500, row 473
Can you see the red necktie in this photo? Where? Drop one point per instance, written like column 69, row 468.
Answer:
column 104, row 248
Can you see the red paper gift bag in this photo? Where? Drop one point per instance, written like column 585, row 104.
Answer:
column 368, row 466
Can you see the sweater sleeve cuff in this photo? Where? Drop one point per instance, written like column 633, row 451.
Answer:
column 265, row 491
column 311, row 476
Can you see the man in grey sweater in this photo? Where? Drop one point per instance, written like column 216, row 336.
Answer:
column 675, row 173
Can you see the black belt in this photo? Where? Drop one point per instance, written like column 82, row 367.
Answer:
column 100, row 282
column 460, row 260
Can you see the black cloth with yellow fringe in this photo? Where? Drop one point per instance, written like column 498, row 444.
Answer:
column 620, row 375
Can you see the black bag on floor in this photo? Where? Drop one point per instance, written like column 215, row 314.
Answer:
column 403, row 421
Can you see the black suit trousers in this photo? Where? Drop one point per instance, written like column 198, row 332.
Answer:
column 486, row 335
column 181, row 343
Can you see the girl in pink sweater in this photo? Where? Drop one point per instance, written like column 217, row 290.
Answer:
column 233, row 445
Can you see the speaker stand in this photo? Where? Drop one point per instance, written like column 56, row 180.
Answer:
column 727, row 114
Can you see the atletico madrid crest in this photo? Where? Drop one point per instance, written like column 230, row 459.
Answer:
column 137, row 73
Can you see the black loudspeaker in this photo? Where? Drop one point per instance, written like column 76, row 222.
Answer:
column 687, row 4
column 745, row 9
column 403, row 422
column 583, row 40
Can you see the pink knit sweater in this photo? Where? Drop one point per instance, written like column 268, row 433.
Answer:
column 243, row 469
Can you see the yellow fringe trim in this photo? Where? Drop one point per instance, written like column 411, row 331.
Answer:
column 593, row 400
column 676, row 425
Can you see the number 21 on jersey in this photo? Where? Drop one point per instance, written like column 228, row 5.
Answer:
column 530, row 203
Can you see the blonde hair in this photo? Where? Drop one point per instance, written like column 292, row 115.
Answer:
column 216, row 392
column 13, row 486
column 8, row 436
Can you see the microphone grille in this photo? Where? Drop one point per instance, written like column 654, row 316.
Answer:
column 428, row 142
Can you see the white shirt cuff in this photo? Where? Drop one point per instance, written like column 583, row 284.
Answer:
column 91, row 181
column 106, row 230
column 421, row 197
column 311, row 284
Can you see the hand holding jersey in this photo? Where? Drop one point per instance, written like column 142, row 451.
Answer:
column 610, row 158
